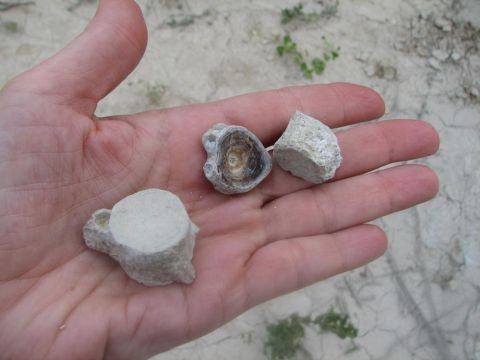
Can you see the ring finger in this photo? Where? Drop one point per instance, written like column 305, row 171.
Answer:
column 334, row 206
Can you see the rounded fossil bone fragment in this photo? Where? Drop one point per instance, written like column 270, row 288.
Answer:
column 308, row 149
column 149, row 233
column 237, row 161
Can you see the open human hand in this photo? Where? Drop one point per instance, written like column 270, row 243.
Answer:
column 59, row 163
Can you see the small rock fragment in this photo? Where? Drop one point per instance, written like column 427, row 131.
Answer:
column 444, row 24
column 237, row 161
column 389, row 72
column 362, row 56
column 308, row 149
column 434, row 63
column 456, row 56
column 440, row 55
column 475, row 92
column 149, row 233
column 370, row 70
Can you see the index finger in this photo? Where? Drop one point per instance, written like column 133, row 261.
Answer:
column 267, row 113
column 264, row 113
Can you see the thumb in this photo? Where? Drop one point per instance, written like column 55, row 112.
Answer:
column 96, row 61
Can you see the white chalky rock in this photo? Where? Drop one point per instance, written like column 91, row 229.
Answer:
column 308, row 149
column 149, row 233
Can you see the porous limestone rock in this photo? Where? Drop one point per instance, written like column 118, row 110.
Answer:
column 149, row 233
column 237, row 161
column 308, row 149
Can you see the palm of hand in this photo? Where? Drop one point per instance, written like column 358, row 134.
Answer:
column 62, row 164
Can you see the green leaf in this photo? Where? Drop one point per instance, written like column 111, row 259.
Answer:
column 307, row 71
column 318, row 65
column 289, row 44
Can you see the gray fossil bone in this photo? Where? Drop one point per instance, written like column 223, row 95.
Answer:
column 149, row 233
column 237, row 161
column 308, row 149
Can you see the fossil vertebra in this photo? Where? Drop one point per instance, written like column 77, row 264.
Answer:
column 308, row 149
column 149, row 233
column 237, row 161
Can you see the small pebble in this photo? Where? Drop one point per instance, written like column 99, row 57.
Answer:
column 434, row 63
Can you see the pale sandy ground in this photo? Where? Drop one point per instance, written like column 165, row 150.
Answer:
column 420, row 301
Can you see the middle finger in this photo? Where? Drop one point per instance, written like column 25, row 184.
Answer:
column 364, row 148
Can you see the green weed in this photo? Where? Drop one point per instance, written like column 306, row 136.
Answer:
column 330, row 10
column 297, row 13
column 182, row 22
column 285, row 337
column 336, row 323
column 317, row 65
column 290, row 14
column 155, row 94
column 187, row 20
column 11, row 26
column 4, row 6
